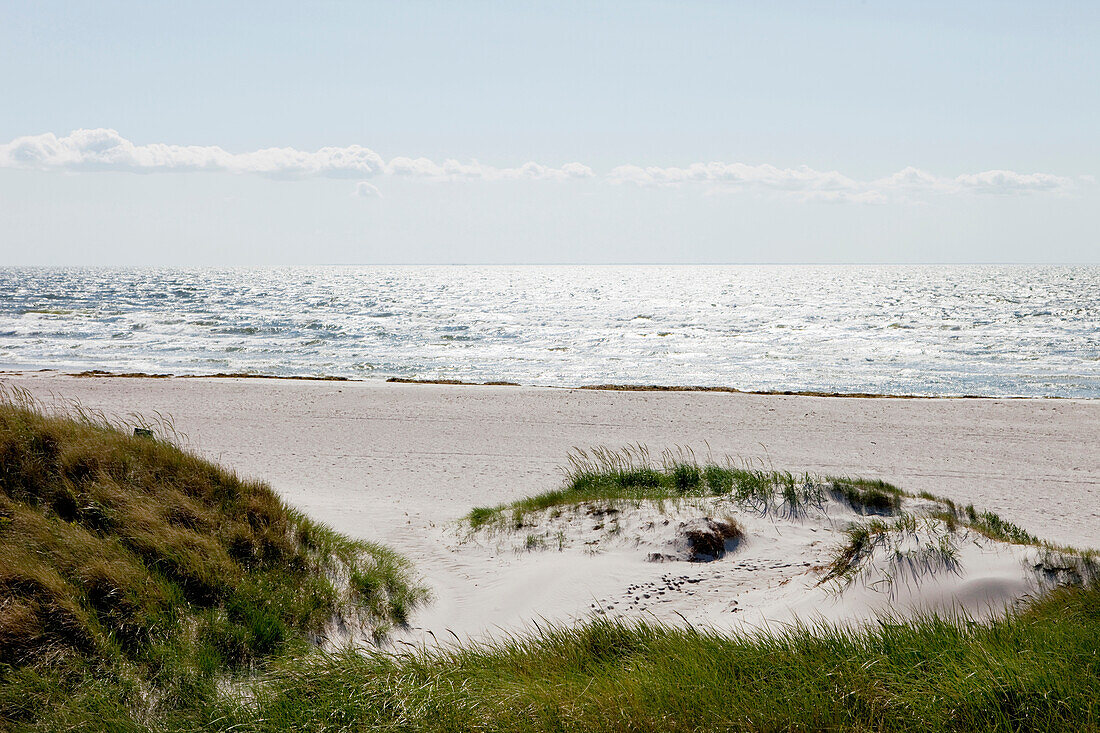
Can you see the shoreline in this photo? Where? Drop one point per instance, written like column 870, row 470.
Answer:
column 601, row 387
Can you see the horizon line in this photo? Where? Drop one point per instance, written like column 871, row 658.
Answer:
column 1009, row 263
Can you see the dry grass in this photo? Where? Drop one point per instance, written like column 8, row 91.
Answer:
column 123, row 552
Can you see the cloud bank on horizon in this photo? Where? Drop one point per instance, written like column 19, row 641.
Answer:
column 101, row 149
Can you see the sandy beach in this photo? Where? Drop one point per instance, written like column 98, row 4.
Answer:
column 399, row 463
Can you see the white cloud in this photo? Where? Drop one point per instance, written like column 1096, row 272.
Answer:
column 577, row 170
column 914, row 180
column 107, row 150
column 807, row 184
column 1002, row 182
column 908, row 178
column 367, row 190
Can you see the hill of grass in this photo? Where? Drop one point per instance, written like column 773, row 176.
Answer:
column 136, row 577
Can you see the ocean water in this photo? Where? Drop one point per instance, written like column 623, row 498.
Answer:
column 930, row 330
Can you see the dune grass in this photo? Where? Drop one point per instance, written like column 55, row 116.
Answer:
column 873, row 496
column 1036, row 671
column 914, row 545
column 136, row 577
column 629, row 474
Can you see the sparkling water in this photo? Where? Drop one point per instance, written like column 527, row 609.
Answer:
column 936, row 330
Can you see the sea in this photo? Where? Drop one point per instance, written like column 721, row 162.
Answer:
column 1000, row 331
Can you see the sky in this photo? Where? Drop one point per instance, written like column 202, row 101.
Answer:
column 238, row 134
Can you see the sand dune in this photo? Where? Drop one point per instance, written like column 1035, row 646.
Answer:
column 400, row 463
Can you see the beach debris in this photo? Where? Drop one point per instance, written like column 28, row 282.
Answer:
column 709, row 539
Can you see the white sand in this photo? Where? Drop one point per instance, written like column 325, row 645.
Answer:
column 773, row 574
column 399, row 463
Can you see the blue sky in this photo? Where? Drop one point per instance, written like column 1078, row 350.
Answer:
column 660, row 132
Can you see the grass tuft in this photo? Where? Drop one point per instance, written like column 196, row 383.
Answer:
column 867, row 496
column 604, row 475
column 992, row 526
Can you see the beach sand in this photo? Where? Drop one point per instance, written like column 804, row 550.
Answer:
column 399, row 463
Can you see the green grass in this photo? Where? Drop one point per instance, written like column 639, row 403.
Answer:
column 867, row 496
column 135, row 576
column 629, row 475
column 1038, row 670
column 993, row 526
